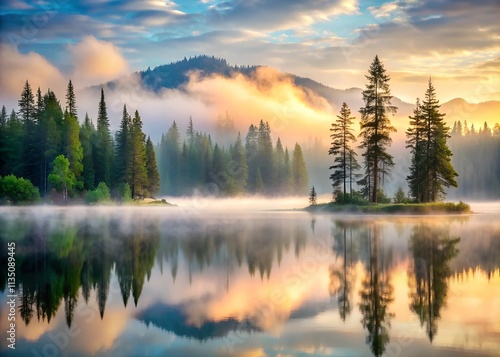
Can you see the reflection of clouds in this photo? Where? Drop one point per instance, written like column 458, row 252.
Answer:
column 304, row 320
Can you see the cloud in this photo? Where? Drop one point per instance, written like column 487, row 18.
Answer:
column 16, row 68
column 273, row 15
column 96, row 62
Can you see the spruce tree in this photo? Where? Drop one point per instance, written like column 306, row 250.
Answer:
column 251, row 151
column 71, row 100
column 27, row 110
column 122, row 160
column 415, row 143
column 169, row 157
column 3, row 139
column 265, row 155
column 288, row 178
column 239, row 167
column 138, row 171
column 30, row 139
column 87, row 131
column 103, row 149
column 376, row 127
column 313, row 197
column 72, row 148
column 280, row 167
column 345, row 159
column 153, row 182
column 300, row 179
column 438, row 170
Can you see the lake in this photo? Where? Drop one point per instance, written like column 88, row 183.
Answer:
column 180, row 281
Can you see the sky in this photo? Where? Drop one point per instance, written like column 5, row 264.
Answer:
column 457, row 42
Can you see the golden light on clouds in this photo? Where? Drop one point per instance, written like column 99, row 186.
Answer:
column 96, row 62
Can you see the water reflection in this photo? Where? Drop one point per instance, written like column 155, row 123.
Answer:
column 209, row 279
column 432, row 249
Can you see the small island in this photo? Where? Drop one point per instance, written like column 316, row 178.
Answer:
column 393, row 208
column 430, row 171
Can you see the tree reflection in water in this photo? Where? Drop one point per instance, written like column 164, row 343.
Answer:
column 432, row 249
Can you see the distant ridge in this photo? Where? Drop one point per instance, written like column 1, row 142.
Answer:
column 176, row 75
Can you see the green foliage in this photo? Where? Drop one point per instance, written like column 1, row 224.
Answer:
column 102, row 149
column 73, row 148
column 138, row 172
column 397, row 208
column 87, row 133
column 18, row 190
column 375, row 129
column 431, row 170
column 125, row 192
column 345, row 158
column 476, row 157
column 153, row 177
column 71, row 100
column 400, row 196
column 62, row 178
column 100, row 194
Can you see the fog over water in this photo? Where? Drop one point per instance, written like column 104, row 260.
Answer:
column 242, row 277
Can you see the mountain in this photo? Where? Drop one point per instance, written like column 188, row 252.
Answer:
column 176, row 75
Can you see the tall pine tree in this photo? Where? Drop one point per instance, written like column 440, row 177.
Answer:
column 342, row 136
column 138, row 171
column 415, row 143
column 103, row 149
column 438, row 170
column 153, row 177
column 87, row 132
column 300, row 178
column 376, row 127
column 71, row 100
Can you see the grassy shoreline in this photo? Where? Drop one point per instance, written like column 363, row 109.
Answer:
column 393, row 208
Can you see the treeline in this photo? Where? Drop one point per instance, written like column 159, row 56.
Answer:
column 254, row 165
column 50, row 148
column 477, row 158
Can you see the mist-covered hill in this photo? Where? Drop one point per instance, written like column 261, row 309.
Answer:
column 176, row 75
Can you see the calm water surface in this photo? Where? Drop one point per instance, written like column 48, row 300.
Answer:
column 174, row 282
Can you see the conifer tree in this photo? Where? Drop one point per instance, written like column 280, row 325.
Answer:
column 265, row 155
column 87, row 131
column 138, row 171
column 71, row 100
column 345, row 159
column 72, row 147
column 170, row 152
column 3, row 139
column 438, row 170
column 300, row 179
column 251, row 151
column 313, row 197
column 122, row 160
column 27, row 110
column 103, row 149
column 239, row 167
column 30, row 149
column 415, row 142
column 153, row 182
column 376, row 127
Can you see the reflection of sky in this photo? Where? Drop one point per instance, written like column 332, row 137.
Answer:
column 293, row 307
